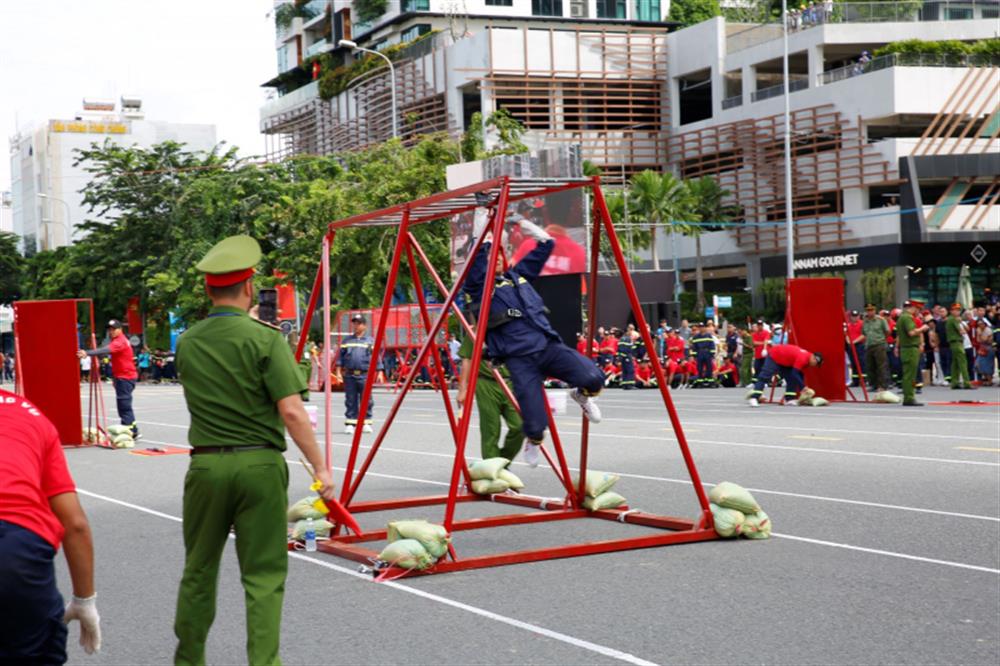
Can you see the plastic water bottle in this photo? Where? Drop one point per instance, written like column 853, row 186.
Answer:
column 310, row 536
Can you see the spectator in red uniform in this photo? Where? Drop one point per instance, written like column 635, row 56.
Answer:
column 789, row 361
column 761, row 341
column 39, row 510
column 123, row 369
column 857, row 340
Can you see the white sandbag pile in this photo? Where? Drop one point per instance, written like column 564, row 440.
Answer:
column 887, row 397
column 808, row 398
column 597, row 489
column 121, row 436
column 414, row 544
column 491, row 476
column 735, row 512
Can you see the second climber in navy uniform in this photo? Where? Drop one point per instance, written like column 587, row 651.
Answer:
column 520, row 336
column 352, row 361
column 626, row 358
column 703, row 350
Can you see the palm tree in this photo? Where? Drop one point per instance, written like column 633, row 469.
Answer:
column 660, row 199
column 706, row 206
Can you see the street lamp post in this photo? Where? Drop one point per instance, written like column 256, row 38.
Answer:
column 392, row 74
column 789, row 227
column 66, row 221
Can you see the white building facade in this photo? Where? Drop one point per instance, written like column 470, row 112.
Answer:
column 46, row 199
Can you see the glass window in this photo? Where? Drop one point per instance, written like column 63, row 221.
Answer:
column 991, row 12
column 414, row 31
column 546, row 7
column 648, row 10
column 611, row 9
column 416, row 5
column 500, row 3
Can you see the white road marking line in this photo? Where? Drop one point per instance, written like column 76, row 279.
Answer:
column 888, row 553
column 817, row 437
column 976, row 448
column 490, row 615
column 805, row 449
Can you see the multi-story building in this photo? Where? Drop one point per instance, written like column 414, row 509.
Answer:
column 590, row 72
column 6, row 214
column 46, row 199
column 895, row 159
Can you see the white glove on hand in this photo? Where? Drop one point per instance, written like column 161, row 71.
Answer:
column 533, row 230
column 481, row 218
column 85, row 610
column 763, row 354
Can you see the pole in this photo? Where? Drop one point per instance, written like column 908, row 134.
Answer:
column 392, row 77
column 789, row 226
column 65, row 222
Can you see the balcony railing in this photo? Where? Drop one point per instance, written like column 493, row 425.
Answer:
column 778, row 90
column 822, row 13
column 732, row 102
column 906, row 60
column 318, row 47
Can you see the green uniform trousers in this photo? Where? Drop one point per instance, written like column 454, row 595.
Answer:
column 493, row 404
column 248, row 491
column 959, row 366
column 910, row 358
column 877, row 365
column 746, row 369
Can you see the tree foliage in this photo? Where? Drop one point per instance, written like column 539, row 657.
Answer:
column 691, row 12
column 11, row 265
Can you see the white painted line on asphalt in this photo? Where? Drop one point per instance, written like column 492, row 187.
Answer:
column 816, row 437
column 490, row 615
column 888, row 553
column 976, row 448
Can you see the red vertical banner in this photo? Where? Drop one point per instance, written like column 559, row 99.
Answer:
column 816, row 313
column 288, row 305
column 133, row 315
column 47, row 367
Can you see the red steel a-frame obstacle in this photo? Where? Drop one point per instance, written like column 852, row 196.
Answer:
column 495, row 195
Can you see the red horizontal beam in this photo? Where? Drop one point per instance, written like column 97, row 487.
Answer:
column 646, row 519
column 405, row 503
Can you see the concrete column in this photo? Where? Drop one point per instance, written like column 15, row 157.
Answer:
column 815, row 56
column 902, row 284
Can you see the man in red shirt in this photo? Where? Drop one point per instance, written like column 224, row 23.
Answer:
column 789, row 361
column 857, row 339
column 761, row 341
column 123, row 369
column 39, row 510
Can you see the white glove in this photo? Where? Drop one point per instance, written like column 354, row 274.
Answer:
column 481, row 218
column 85, row 610
column 763, row 354
column 533, row 230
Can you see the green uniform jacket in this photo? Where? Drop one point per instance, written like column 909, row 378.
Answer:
column 234, row 369
column 953, row 330
column 465, row 351
column 875, row 331
column 903, row 328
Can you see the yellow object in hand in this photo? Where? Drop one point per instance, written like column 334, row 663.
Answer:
column 319, row 504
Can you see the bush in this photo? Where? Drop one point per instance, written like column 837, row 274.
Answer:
column 985, row 47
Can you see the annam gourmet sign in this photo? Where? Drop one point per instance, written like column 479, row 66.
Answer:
column 830, row 261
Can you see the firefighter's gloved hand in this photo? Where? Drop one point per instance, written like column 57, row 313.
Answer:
column 85, row 610
column 481, row 218
column 533, row 230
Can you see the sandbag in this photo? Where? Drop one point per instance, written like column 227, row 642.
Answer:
column 728, row 522
column 433, row 538
column 807, row 394
column 757, row 526
column 512, row 480
column 487, row 469
column 732, row 496
column 608, row 500
column 116, row 430
column 488, row 487
column 820, row 402
column 597, row 483
column 304, row 509
column 406, row 554
column 124, row 441
column 887, row 397
column 321, row 527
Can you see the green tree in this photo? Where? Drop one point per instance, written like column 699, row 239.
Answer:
column 706, row 207
column 659, row 199
column 691, row 12
column 509, row 132
column 12, row 265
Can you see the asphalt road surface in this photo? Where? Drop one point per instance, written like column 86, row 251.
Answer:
column 886, row 546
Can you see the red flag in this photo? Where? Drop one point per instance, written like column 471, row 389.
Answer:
column 134, row 316
column 287, row 302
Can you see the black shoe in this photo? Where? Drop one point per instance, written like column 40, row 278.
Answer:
column 913, row 404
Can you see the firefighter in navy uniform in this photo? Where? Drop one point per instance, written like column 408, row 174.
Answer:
column 703, row 350
column 626, row 359
column 353, row 360
column 520, row 336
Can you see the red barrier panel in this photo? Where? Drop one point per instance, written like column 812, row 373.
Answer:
column 816, row 316
column 47, row 367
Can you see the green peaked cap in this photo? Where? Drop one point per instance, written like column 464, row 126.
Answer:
column 235, row 253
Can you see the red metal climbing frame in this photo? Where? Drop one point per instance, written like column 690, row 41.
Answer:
column 495, row 195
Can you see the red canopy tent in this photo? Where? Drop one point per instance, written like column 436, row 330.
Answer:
column 495, row 195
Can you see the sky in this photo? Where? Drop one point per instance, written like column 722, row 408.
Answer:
column 193, row 61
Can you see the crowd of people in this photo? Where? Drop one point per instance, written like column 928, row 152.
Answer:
column 808, row 15
column 154, row 366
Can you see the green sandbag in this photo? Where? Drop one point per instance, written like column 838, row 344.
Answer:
column 487, row 469
column 608, row 500
column 124, row 441
column 598, row 483
column 757, row 526
column 728, row 522
column 434, row 538
column 116, row 430
column 406, row 554
column 513, row 482
column 304, row 509
column 322, row 528
column 732, row 496
column 487, row 487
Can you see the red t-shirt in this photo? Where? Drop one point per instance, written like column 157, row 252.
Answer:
column 790, row 356
column 643, row 372
column 610, row 345
column 690, row 367
column 854, row 330
column 567, row 256
column 760, row 336
column 32, row 468
column 675, row 348
column 122, row 361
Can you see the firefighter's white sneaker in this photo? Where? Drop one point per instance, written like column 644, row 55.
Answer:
column 754, row 403
column 531, row 453
column 348, row 430
column 588, row 405
column 367, row 428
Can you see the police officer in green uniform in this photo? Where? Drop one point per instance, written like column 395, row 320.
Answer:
column 493, row 405
column 909, row 333
column 953, row 332
column 242, row 389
